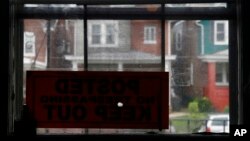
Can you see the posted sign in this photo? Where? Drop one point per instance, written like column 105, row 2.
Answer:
column 80, row 99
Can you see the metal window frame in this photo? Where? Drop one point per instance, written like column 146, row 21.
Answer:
column 118, row 2
column 162, row 14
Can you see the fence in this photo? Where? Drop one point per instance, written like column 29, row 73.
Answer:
column 185, row 125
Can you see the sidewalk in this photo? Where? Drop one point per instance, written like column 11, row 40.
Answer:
column 177, row 114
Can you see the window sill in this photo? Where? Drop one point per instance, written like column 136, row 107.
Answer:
column 221, row 43
column 150, row 43
column 222, row 84
column 129, row 137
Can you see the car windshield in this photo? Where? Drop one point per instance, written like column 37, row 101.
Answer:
column 219, row 121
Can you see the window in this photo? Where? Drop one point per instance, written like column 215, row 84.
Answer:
column 96, row 34
column 29, row 44
column 149, row 35
column 110, row 34
column 221, row 33
column 222, row 73
column 114, row 27
column 219, row 121
column 103, row 33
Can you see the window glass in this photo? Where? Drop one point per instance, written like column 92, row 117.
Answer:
column 103, row 33
column 110, row 35
column 55, row 46
column 96, row 34
column 150, row 35
column 124, row 47
column 53, row 42
column 197, row 74
column 194, row 74
column 196, row 56
column 219, row 72
column 29, row 44
column 222, row 73
column 219, row 121
column 221, row 32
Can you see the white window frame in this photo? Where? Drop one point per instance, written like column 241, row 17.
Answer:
column 225, row 79
column 29, row 37
column 149, row 37
column 103, row 25
column 216, row 32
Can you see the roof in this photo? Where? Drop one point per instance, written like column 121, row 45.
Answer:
column 124, row 57
column 220, row 56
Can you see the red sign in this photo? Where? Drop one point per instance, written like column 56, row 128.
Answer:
column 80, row 99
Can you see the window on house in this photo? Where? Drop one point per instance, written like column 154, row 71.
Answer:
column 221, row 33
column 103, row 33
column 110, row 34
column 222, row 73
column 149, row 35
column 29, row 44
column 96, row 34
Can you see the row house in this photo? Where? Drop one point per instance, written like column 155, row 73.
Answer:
column 113, row 45
column 122, row 44
column 214, row 53
column 201, row 65
column 193, row 50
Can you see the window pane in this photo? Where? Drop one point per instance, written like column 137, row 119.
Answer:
column 103, row 33
column 150, row 34
column 191, row 57
column 54, row 43
column 220, row 36
column 198, row 75
column 196, row 65
column 219, row 72
column 219, row 121
column 110, row 35
column 220, row 32
column 96, row 34
column 124, row 47
column 222, row 73
column 220, row 27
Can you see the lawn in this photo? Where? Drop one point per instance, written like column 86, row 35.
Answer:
column 187, row 124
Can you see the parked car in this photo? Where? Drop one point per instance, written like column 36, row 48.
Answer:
column 216, row 123
column 170, row 130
